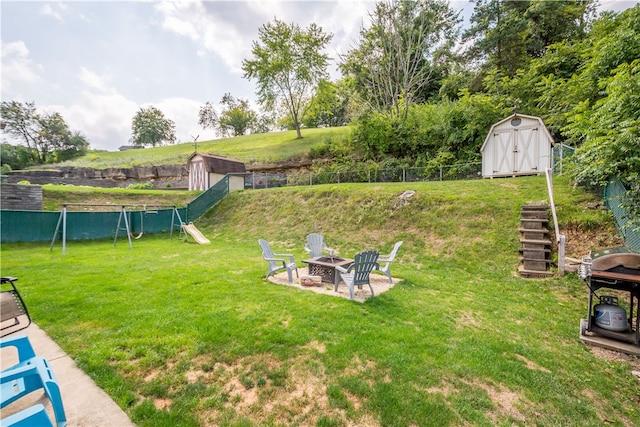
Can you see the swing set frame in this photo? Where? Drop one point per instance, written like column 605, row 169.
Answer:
column 123, row 220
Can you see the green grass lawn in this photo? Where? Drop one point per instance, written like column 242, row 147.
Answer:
column 54, row 196
column 184, row 335
column 264, row 148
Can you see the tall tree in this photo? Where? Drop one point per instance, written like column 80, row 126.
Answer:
column 150, row 127
column 236, row 117
column 45, row 135
column 330, row 105
column 506, row 34
column 14, row 157
column 396, row 56
column 287, row 64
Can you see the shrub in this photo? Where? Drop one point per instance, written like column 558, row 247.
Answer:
column 140, row 186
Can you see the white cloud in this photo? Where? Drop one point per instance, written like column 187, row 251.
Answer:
column 17, row 67
column 211, row 34
column 53, row 10
column 93, row 80
column 104, row 119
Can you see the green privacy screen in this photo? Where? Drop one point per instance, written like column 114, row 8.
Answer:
column 615, row 199
column 39, row 226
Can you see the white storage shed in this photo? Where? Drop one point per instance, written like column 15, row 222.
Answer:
column 206, row 170
column 516, row 145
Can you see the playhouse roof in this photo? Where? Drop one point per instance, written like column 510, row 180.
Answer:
column 511, row 117
column 218, row 164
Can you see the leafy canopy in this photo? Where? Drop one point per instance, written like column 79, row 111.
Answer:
column 150, row 127
column 287, row 65
column 46, row 135
column 236, row 118
column 395, row 58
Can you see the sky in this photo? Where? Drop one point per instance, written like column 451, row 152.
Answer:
column 98, row 62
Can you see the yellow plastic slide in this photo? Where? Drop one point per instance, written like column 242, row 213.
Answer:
column 195, row 233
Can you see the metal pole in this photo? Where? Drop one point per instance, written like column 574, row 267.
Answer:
column 64, row 229
column 126, row 226
column 561, row 254
column 55, row 233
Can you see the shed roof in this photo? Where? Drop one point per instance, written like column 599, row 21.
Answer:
column 511, row 117
column 218, row 164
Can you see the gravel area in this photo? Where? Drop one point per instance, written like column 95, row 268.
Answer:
column 379, row 282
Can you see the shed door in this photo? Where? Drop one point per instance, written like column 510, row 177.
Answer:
column 198, row 177
column 526, row 150
column 503, row 152
column 515, row 151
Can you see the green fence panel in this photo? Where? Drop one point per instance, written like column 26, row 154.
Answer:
column 39, row 226
column 614, row 198
column 198, row 206
column 27, row 226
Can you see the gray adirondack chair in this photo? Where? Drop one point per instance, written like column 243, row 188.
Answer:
column 278, row 262
column 316, row 246
column 358, row 273
column 387, row 259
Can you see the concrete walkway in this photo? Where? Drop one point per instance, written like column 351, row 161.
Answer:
column 85, row 404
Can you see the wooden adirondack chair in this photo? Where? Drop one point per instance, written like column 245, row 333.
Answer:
column 315, row 245
column 278, row 262
column 387, row 259
column 358, row 273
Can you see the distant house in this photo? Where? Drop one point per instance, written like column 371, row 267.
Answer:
column 130, row 147
column 516, row 145
column 206, row 170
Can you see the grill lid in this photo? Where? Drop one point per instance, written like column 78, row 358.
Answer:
column 618, row 259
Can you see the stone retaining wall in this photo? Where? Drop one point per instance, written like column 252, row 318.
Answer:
column 162, row 177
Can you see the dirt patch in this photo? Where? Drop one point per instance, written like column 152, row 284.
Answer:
column 161, row 404
column 506, row 402
column 581, row 243
column 532, row 365
column 379, row 283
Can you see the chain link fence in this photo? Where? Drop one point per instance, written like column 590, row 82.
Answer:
column 560, row 152
column 463, row 171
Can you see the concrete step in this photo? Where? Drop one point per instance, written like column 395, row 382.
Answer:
column 534, row 274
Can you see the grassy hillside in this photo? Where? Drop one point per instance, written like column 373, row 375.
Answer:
column 263, row 148
column 54, row 196
column 188, row 335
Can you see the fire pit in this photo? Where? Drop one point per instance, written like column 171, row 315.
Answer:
column 325, row 267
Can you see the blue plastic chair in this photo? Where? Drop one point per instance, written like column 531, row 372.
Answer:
column 31, row 373
column 34, row 415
